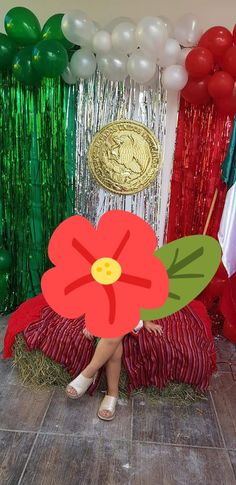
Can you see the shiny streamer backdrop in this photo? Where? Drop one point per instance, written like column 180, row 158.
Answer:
column 202, row 139
column 99, row 102
column 37, row 134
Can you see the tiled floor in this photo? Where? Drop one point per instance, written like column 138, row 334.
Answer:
column 48, row 440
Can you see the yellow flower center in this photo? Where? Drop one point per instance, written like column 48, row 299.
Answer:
column 106, row 271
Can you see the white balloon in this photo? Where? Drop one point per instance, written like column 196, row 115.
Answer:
column 103, row 63
column 168, row 24
column 77, row 28
column 113, row 66
column 67, row 76
column 183, row 54
column 140, row 68
column 151, row 35
column 114, row 22
column 123, row 38
column 102, row 42
column 174, row 78
column 83, row 63
column 85, row 38
column 170, row 54
column 152, row 83
column 188, row 30
column 71, row 23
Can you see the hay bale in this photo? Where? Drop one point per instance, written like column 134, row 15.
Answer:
column 37, row 370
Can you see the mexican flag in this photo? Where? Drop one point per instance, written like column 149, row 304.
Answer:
column 227, row 239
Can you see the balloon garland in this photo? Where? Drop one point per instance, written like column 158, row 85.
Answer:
column 200, row 65
column 212, row 70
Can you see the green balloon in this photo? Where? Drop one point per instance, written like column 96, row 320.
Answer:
column 5, row 260
column 7, row 51
column 23, row 68
column 50, row 58
column 22, row 26
column 52, row 30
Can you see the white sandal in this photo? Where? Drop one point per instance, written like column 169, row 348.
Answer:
column 80, row 384
column 108, row 404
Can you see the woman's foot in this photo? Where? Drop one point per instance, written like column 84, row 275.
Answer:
column 108, row 406
column 79, row 386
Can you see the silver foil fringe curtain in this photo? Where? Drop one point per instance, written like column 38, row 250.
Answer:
column 99, row 102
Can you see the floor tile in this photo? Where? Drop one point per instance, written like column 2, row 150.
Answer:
column 223, row 390
column 80, row 416
column 14, row 450
column 8, row 373
column 60, row 460
column 226, row 352
column 232, row 455
column 166, row 423
column 172, row 465
column 22, row 408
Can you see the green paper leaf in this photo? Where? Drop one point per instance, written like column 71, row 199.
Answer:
column 191, row 263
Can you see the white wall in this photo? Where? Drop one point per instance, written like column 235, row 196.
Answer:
column 211, row 12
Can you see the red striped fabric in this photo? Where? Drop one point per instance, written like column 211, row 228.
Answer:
column 185, row 352
column 63, row 341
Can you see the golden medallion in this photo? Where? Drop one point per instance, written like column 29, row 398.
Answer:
column 124, row 157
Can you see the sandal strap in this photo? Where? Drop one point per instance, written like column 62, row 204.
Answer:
column 108, row 404
column 81, row 383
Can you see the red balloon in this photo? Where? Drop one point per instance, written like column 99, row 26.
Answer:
column 199, row 62
column 220, row 85
column 217, row 40
column 227, row 105
column 196, row 92
column 229, row 61
column 234, row 34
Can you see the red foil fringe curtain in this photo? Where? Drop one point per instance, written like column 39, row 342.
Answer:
column 202, row 139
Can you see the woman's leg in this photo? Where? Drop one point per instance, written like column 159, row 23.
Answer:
column 113, row 368
column 104, row 350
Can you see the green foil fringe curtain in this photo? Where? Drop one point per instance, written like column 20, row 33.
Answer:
column 37, row 166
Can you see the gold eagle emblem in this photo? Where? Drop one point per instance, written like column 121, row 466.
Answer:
column 124, row 157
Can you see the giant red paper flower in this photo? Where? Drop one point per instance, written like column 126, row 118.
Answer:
column 107, row 273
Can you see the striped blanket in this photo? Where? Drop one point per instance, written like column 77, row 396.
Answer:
column 184, row 353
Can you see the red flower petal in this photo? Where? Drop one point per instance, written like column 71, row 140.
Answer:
column 129, row 299
column 63, row 246
column 142, row 241
column 72, row 304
